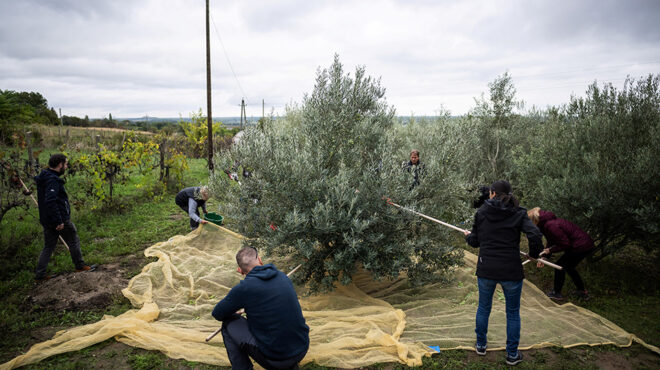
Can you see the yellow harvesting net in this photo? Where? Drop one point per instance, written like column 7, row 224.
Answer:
column 363, row 323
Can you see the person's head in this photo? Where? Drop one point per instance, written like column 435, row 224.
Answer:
column 204, row 193
column 247, row 258
column 501, row 190
column 414, row 156
column 533, row 215
column 58, row 162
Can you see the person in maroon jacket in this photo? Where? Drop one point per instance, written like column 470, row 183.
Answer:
column 563, row 236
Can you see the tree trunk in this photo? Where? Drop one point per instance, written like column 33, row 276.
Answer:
column 28, row 143
column 162, row 160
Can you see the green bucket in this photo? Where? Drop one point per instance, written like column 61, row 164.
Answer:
column 213, row 217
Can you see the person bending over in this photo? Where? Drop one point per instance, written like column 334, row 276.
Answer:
column 274, row 334
column 189, row 200
column 563, row 236
column 496, row 232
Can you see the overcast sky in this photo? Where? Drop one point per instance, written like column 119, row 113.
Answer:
column 133, row 58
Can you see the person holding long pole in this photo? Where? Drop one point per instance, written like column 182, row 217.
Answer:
column 55, row 216
column 563, row 236
column 496, row 232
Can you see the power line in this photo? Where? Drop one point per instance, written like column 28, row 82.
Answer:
column 228, row 61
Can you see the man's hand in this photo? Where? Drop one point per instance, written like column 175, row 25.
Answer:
column 546, row 252
column 466, row 232
column 59, row 227
column 203, row 222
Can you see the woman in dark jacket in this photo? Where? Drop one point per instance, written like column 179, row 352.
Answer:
column 563, row 236
column 496, row 232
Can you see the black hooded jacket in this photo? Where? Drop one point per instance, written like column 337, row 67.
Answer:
column 496, row 232
column 53, row 201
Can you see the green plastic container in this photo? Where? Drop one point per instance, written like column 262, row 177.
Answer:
column 213, row 217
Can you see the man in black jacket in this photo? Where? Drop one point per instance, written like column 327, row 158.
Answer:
column 55, row 216
column 274, row 333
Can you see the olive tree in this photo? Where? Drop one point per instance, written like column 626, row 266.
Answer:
column 318, row 183
column 594, row 162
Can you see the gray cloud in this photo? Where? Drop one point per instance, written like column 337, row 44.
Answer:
column 147, row 57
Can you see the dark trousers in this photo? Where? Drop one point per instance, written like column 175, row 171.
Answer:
column 241, row 345
column 193, row 224
column 569, row 261
column 70, row 236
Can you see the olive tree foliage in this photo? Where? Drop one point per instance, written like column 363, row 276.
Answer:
column 595, row 162
column 446, row 145
column 320, row 177
column 495, row 128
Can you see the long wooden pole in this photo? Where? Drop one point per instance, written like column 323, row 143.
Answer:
column 427, row 217
column 209, row 117
column 219, row 329
column 546, row 262
column 37, row 204
column 464, row 230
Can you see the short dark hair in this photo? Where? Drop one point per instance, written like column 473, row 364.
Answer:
column 245, row 256
column 56, row 159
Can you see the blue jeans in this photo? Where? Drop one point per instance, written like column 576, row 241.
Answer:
column 512, row 291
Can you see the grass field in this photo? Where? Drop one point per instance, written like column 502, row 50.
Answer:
column 624, row 289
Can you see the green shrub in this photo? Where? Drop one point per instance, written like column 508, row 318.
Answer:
column 594, row 162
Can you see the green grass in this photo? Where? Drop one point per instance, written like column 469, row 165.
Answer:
column 106, row 235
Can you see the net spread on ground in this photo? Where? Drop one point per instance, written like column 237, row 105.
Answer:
column 356, row 325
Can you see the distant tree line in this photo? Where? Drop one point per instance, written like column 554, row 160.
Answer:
column 17, row 108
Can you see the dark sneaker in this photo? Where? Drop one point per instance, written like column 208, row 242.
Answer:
column 582, row 294
column 87, row 268
column 481, row 350
column 514, row 360
column 42, row 279
column 556, row 296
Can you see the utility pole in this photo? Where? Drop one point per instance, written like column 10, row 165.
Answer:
column 243, row 116
column 209, row 118
column 263, row 109
column 59, row 130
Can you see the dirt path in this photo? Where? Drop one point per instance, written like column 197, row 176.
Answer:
column 80, row 291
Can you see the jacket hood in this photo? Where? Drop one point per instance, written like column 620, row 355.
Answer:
column 265, row 272
column 545, row 216
column 494, row 210
column 47, row 175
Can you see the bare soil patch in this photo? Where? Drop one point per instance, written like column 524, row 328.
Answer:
column 80, row 290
